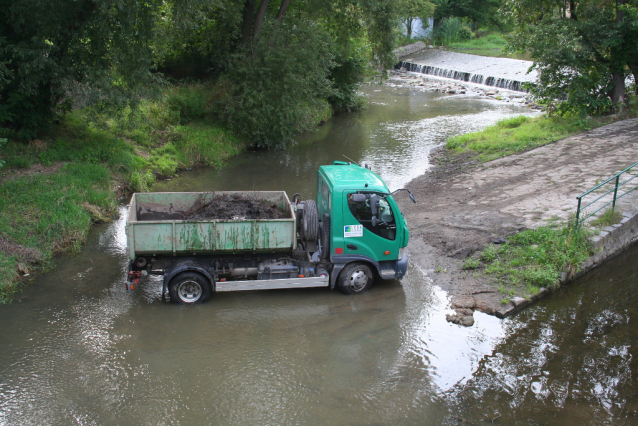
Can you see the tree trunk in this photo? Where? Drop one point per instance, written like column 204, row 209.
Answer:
column 572, row 10
column 408, row 27
column 259, row 19
column 618, row 74
column 618, row 91
column 247, row 22
column 633, row 66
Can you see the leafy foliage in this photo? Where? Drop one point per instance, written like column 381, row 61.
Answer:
column 478, row 12
column 410, row 10
column 448, row 30
column 277, row 86
column 583, row 50
column 50, row 48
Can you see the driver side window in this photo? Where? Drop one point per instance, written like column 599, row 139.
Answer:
column 379, row 220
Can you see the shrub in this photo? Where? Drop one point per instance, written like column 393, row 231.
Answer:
column 277, row 85
column 465, row 33
column 191, row 102
column 448, row 30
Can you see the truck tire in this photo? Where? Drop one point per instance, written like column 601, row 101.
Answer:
column 355, row 278
column 310, row 221
column 189, row 287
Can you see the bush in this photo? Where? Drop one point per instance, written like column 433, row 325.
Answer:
column 191, row 102
column 277, row 86
column 448, row 30
column 465, row 33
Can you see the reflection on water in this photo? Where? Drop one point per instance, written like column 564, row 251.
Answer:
column 77, row 349
column 571, row 359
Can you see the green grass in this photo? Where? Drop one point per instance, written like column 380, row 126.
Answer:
column 487, row 45
column 52, row 213
column 608, row 218
column 535, row 258
column 517, row 134
column 471, row 263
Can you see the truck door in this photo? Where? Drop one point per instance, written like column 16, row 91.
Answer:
column 370, row 226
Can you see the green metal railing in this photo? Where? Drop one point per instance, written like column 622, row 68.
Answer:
column 615, row 181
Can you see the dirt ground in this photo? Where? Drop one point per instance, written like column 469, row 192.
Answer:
column 464, row 205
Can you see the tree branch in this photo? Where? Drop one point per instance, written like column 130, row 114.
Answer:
column 259, row 18
column 282, row 10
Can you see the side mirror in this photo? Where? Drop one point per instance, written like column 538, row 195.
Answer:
column 374, row 204
column 409, row 193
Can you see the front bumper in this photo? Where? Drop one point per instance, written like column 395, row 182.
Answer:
column 402, row 266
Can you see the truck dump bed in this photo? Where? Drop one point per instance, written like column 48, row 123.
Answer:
column 155, row 225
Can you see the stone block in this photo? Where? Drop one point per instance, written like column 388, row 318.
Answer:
column 518, row 301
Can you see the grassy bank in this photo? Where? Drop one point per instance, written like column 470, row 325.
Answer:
column 518, row 134
column 532, row 259
column 491, row 44
column 55, row 187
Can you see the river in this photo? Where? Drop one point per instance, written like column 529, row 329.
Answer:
column 78, row 349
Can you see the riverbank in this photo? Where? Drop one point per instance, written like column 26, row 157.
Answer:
column 465, row 205
column 53, row 189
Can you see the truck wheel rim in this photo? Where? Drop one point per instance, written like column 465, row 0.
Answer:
column 358, row 280
column 189, row 291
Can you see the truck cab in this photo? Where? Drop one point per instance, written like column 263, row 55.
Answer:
column 361, row 227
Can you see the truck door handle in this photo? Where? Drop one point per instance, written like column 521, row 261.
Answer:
column 352, row 247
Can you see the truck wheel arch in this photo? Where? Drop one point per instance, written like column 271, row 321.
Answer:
column 187, row 267
column 338, row 267
column 356, row 277
column 189, row 287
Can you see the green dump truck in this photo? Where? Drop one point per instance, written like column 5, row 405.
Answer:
column 256, row 240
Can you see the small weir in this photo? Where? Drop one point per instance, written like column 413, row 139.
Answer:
column 503, row 73
column 502, row 83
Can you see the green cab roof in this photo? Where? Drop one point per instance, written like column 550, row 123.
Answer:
column 342, row 175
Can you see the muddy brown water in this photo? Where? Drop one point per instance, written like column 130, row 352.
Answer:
column 78, row 349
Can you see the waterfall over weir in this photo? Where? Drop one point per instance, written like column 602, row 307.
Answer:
column 502, row 83
column 504, row 73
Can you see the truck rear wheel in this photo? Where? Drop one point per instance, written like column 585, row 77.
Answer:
column 189, row 287
column 355, row 278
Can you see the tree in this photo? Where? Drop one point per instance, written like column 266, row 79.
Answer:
column 47, row 48
column 584, row 49
column 411, row 10
column 480, row 12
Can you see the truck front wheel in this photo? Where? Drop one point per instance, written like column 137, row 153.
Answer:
column 355, row 278
column 189, row 287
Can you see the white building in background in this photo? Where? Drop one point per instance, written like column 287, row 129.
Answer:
column 417, row 28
